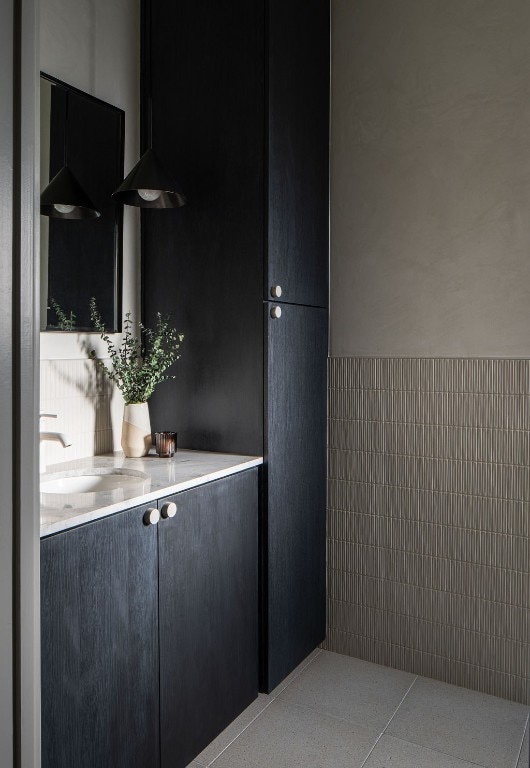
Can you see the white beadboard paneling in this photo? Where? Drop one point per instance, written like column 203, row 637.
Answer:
column 88, row 409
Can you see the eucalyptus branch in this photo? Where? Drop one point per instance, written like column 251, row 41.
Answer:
column 142, row 361
column 65, row 322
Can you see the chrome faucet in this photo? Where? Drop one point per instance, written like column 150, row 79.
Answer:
column 59, row 437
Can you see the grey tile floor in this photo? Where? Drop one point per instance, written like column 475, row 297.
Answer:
column 336, row 712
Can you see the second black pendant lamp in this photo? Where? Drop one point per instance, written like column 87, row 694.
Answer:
column 149, row 185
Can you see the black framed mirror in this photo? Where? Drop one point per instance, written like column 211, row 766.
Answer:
column 81, row 258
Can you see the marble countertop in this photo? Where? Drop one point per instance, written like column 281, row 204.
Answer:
column 156, row 478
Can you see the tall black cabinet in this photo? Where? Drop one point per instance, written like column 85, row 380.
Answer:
column 238, row 95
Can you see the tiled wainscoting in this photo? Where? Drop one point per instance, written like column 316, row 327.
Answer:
column 429, row 518
column 87, row 409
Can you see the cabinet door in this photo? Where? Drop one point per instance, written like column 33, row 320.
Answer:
column 298, row 179
column 294, row 528
column 99, row 645
column 208, row 614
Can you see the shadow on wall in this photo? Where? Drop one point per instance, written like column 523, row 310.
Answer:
column 95, row 391
column 99, row 391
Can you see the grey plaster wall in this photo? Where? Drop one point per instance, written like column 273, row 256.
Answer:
column 430, row 178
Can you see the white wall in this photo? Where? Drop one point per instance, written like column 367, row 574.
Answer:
column 430, row 178
column 93, row 45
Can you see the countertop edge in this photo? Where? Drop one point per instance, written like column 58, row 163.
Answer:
column 84, row 517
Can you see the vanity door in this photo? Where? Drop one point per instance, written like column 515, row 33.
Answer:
column 208, row 613
column 99, row 587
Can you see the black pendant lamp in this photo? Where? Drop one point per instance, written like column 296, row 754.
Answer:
column 149, row 186
column 64, row 197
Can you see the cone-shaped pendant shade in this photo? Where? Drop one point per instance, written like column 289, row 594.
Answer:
column 149, row 186
column 65, row 198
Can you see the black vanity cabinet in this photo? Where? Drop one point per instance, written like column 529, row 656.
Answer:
column 150, row 632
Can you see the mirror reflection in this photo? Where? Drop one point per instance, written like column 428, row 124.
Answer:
column 81, row 258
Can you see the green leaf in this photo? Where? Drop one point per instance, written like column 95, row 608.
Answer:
column 140, row 364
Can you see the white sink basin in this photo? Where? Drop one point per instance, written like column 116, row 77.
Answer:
column 91, row 481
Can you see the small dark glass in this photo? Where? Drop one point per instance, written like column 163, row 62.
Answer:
column 166, row 444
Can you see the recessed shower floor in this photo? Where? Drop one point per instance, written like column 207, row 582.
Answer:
column 338, row 712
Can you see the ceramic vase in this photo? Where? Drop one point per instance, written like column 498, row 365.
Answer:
column 136, row 437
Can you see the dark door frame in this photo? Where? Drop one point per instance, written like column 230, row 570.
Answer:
column 19, row 356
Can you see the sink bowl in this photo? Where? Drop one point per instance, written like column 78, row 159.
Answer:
column 90, row 481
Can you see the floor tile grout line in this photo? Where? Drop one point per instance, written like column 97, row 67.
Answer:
column 401, row 702
column 371, row 750
column 241, row 733
column 298, row 674
column 526, row 728
column 301, row 671
column 272, row 699
column 386, row 726
column 436, row 751
column 441, row 752
column 321, row 713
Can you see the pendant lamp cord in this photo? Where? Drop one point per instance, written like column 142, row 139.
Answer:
column 147, row 90
column 150, row 71
column 65, row 157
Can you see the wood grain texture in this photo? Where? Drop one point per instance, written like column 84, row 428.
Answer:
column 240, row 111
column 99, row 645
column 208, row 614
column 298, row 150
column 203, row 264
column 294, row 525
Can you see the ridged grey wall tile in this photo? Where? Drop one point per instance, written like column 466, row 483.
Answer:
column 448, row 608
column 429, row 518
column 455, row 509
column 492, row 681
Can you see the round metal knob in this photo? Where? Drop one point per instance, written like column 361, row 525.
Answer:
column 152, row 516
column 276, row 291
column 276, row 313
column 169, row 509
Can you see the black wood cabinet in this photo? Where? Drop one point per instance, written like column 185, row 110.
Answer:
column 294, row 527
column 150, row 632
column 99, row 608
column 239, row 98
column 203, row 263
column 208, row 615
column 298, row 137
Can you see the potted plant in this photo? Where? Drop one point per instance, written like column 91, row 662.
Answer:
column 136, row 367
